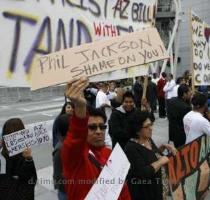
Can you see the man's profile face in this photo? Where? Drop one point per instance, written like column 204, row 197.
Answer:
column 96, row 131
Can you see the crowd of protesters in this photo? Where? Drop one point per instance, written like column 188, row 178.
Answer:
column 95, row 117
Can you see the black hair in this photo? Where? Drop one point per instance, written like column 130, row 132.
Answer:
column 154, row 75
column 178, row 80
column 183, row 88
column 104, row 84
column 135, row 122
column 63, row 110
column 128, row 94
column 96, row 112
column 62, row 125
column 199, row 100
column 10, row 126
column 171, row 75
column 149, row 78
column 163, row 74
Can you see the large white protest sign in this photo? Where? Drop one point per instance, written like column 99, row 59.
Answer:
column 111, row 180
column 34, row 135
column 201, row 51
column 38, row 27
column 99, row 57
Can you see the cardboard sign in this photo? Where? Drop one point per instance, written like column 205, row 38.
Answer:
column 201, row 51
column 18, row 141
column 99, row 57
column 111, row 180
column 189, row 171
column 121, row 74
column 32, row 28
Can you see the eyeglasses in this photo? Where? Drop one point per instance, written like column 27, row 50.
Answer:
column 148, row 125
column 93, row 127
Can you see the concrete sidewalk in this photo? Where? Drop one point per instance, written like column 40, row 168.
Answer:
column 41, row 193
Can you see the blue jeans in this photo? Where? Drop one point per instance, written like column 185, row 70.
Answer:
column 62, row 195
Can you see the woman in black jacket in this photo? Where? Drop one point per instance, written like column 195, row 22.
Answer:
column 145, row 175
column 20, row 169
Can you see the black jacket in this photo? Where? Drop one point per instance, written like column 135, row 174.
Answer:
column 143, row 182
column 20, row 179
column 117, row 126
column 138, row 92
column 177, row 109
column 57, row 168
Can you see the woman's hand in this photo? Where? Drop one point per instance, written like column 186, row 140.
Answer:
column 160, row 162
column 171, row 148
column 163, row 160
column 27, row 154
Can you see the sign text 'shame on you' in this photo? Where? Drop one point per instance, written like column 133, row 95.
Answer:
column 99, row 57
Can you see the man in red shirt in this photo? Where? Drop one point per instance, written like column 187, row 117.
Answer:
column 84, row 153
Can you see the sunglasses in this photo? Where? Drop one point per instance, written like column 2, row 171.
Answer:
column 93, row 127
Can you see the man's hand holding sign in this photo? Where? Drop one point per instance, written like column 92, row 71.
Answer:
column 92, row 170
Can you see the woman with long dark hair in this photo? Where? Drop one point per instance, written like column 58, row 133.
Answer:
column 20, row 169
column 67, row 108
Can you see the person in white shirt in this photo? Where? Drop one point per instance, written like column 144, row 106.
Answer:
column 155, row 78
column 179, row 81
column 101, row 97
column 104, row 103
column 169, row 86
column 111, row 93
column 168, row 89
column 195, row 124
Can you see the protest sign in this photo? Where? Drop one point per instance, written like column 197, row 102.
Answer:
column 121, row 74
column 39, row 27
column 201, row 50
column 35, row 135
column 111, row 179
column 189, row 170
column 99, row 57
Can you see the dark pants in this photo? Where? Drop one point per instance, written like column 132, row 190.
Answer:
column 162, row 109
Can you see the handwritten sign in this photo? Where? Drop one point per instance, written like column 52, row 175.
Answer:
column 113, row 176
column 189, row 171
column 38, row 27
column 96, row 58
column 201, row 50
column 18, row 141
column 121, row 74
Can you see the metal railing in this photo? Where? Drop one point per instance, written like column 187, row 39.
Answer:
column 17, row 94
